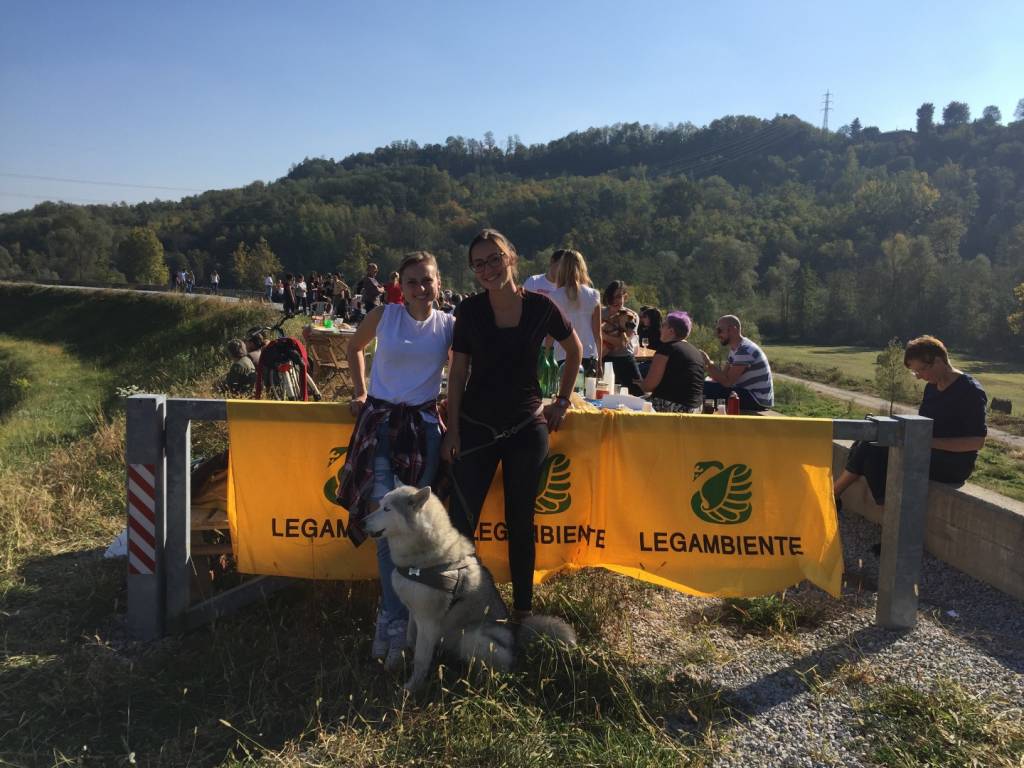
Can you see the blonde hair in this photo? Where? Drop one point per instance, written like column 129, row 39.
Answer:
column 571, row 273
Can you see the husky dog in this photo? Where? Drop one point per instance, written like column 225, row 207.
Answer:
column 450, row 595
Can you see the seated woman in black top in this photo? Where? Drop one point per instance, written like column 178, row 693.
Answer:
column 953, row 400
column 496, row 415
column 676, row 375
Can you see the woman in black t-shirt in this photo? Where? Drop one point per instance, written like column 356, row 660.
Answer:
column 954, row 401
column 496, row 415
column 676, row 375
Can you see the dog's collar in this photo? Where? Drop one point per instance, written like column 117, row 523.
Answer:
column 445, row 576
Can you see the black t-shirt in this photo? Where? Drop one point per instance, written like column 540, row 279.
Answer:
column 683, row 381
column 958, row 411
column 502, row 389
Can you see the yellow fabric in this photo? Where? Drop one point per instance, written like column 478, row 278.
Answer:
column 709, row 505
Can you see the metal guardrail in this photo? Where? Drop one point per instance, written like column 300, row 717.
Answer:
column 159, row 437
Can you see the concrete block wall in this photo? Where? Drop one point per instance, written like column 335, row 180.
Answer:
column 975, row 530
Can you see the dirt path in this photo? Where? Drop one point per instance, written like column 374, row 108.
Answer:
column 880, row 406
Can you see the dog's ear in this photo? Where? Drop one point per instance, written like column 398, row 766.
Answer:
column 420, row 497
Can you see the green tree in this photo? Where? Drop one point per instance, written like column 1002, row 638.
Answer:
column 926, row 118
column 140, row 255
column 250, row 264
column 781, row 280
column 956, row 113
column 1016, row 320
column 1018, row 113
column 890, row 374
column 992, row 115
column 855, row 129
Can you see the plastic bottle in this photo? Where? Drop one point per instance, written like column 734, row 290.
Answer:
column 732, row 405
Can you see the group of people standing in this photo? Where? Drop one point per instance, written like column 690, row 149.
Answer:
column 495, row 413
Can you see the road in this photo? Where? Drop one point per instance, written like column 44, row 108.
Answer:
column 879, row 406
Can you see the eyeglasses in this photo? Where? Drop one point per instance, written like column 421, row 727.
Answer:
column 492, row 261
column 918, row 371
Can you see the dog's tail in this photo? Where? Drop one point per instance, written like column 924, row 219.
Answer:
column 491, row 643
column 551, row 627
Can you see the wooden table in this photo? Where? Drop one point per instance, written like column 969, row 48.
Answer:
column 644, row 353
column 327, row 349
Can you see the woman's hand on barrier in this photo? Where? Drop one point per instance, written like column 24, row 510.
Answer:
column 355, row 405
column 451, row 444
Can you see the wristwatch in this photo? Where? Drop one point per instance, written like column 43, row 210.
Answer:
column 563, row 400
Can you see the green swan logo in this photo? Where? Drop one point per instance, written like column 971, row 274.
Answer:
column 553, row 491
column 724, row 497
column 331, row 486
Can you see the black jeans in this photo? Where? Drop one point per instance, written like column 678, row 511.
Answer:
column 522, row 458
column 872, row 462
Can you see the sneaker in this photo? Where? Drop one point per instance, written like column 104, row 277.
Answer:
column 398, row 643
column 379, row 647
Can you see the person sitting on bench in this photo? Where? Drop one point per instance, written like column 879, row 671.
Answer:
column 956, row 403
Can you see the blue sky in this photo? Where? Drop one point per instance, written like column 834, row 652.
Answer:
column 208, row 95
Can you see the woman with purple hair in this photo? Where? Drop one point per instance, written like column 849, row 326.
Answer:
column 676, row 376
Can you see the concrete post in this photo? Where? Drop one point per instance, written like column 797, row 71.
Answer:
column 145, row 494
column 903, row 523
column 179, row 524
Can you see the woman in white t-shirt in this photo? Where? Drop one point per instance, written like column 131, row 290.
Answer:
column 580, row 304
column 397, row 435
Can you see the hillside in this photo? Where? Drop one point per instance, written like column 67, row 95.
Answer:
column 853, row 236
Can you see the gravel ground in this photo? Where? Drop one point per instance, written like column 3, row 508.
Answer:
column 792, row 693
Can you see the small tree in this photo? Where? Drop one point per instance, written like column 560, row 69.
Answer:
column 141, row 257
column 926, row 118
column 250, row 265
column 992, row 115
column 956, row 113
column 891, row 375
column 1018, row 113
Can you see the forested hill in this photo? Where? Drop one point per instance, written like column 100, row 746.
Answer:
column 851, row 236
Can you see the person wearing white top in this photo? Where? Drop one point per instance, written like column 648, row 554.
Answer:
column 413, row 343
column 580, row 303
column 544, row 282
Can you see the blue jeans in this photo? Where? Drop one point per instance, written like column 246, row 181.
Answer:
column 384, row 480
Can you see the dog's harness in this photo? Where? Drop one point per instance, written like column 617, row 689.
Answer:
column 448, row 577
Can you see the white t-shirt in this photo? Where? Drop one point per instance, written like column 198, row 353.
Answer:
column 410, row 355
column 539, row 284
column 268, row 281
column 300, row 288
column 581, row 314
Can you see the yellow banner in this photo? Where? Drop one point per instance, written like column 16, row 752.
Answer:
column 709, row 505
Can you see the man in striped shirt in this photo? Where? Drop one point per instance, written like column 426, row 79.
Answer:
column 747, row 372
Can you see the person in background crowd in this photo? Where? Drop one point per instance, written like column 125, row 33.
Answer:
column 955, row 402
column 215, row 282
column 649, row 332
column 268, row 287
column 446, row 302
column 315, row 288
column 496, row 416
column 370, row 289
column 747, row 372
column 676, row 375
column 393, row 290
column 580, row 303
column 397, row 424
column 255, row 341
column 301, row 294
column 190, row 281
column 618, row 334
column 342, row 298
column 545, row 282
column 241, row 376
column 278, row 296
column 288, row 295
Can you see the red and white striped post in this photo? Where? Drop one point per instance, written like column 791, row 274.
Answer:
column 146, row 499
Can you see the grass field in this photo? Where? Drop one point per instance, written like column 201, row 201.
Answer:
column 855, row 369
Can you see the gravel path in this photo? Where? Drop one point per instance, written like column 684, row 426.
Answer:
column 882, row 406
column 793, row 693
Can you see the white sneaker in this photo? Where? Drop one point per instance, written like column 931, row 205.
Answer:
column 398, row 643
column 380, row 645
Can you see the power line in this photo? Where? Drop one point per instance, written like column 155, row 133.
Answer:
column 97, row 183
column 825, row 109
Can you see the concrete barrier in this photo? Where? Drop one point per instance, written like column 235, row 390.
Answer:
column 977, row 531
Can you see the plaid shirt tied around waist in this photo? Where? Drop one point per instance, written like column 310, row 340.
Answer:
column 407, row 437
